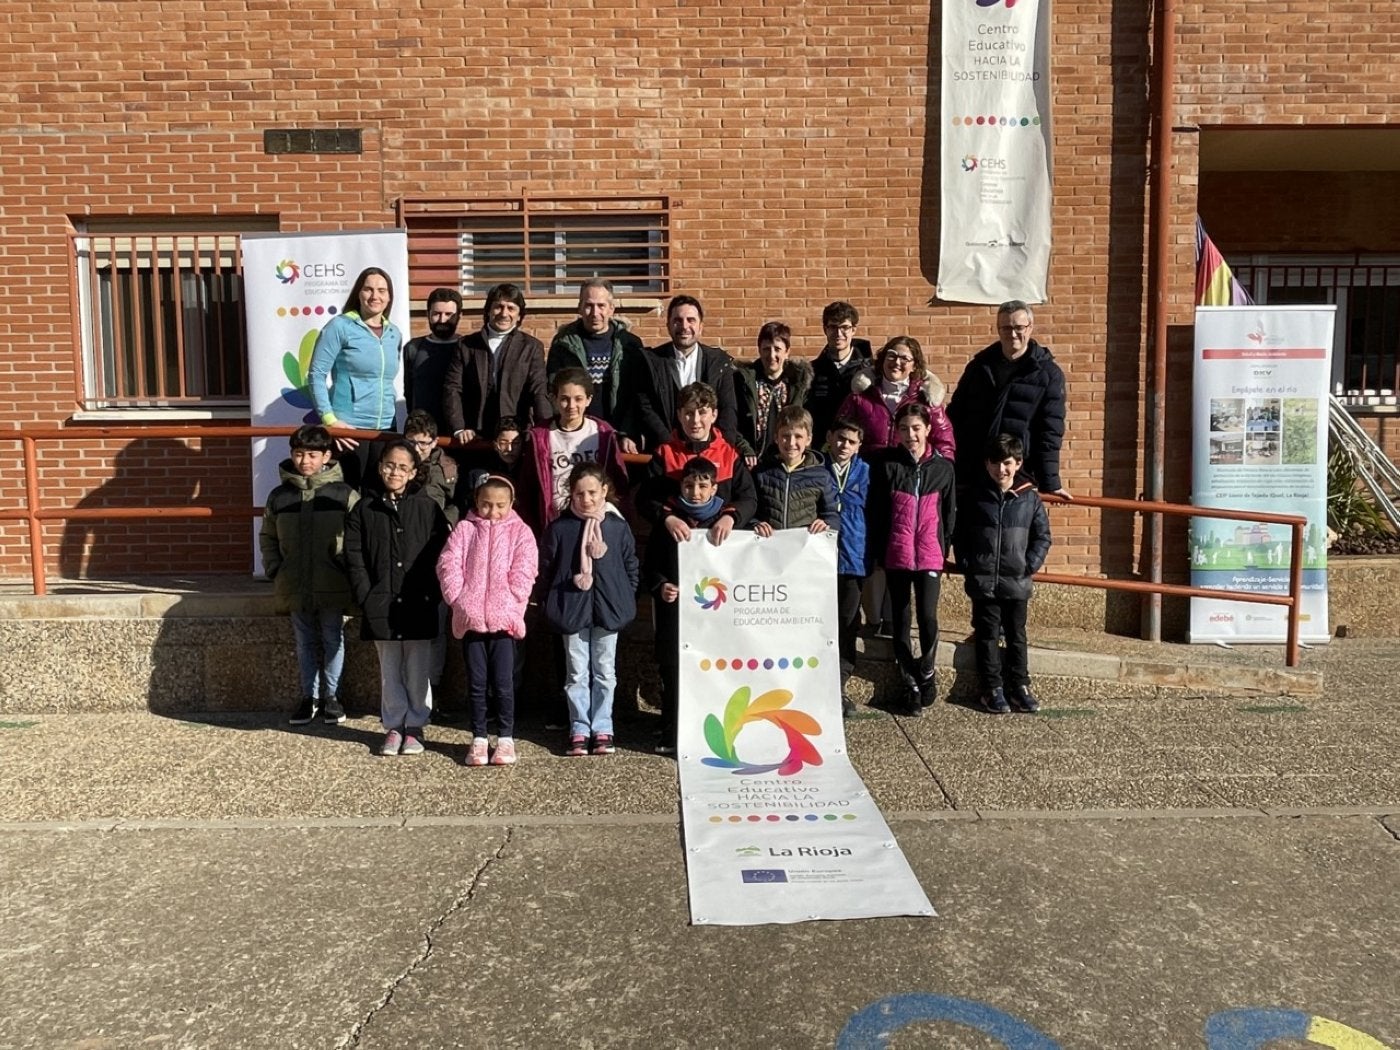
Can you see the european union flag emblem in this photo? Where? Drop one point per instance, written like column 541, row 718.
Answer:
column 763, row 874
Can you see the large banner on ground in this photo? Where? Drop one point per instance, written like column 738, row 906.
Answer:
column 292, row 285
column 1259, row 442
column 995, row 156
column 778, row 826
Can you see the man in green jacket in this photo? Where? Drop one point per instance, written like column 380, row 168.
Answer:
column 600, row 343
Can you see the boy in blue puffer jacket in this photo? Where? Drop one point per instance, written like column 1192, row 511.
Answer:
column 1003, row 536
column 851, row 476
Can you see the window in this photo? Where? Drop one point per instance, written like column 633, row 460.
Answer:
column 160, row 317
column 547, row 245
column 1366, row 291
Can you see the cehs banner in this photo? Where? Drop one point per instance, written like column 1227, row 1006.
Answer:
column 293, row 284
column 778, row 825
column 995, row 151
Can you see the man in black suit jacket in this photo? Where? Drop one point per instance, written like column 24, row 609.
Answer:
column 496, row 372
column 664, row 370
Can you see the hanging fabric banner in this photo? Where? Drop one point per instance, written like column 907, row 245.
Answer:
column 995, row 155
column 1259, row 442
column 778, row 825
column 292, row 285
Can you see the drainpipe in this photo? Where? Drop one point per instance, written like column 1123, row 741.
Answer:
column 1159, row 253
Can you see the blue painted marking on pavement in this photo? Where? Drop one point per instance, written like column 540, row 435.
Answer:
column 1254, row 1027
column 872, row 1027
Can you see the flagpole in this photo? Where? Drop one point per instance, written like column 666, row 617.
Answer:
column 1159, row 226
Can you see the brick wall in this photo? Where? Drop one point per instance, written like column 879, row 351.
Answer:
column 798, row 140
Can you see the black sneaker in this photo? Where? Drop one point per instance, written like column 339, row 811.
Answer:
column 1024, row 700
column 928, row 691
column 848, row 708
column 909, row 705
column 306, row 712
column 333, row 714
column 995, row 702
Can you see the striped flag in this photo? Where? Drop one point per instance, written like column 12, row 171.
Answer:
column 1215, row 284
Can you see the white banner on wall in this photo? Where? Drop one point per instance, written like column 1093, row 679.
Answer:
column 1259, row 442
column 292, row 285
column 778, row 826
column 995, row 158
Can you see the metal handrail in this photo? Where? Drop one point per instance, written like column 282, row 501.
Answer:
column 35, row 514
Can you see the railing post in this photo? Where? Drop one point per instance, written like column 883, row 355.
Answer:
column 1295, row 591
column 36, row 527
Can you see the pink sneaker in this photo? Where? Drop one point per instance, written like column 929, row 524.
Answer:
column 476, row 756
column 504, row 755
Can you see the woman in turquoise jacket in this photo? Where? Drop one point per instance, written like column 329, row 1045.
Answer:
column 359, row 351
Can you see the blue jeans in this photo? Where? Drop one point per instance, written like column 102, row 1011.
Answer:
column 590, row 677
column 320, row 652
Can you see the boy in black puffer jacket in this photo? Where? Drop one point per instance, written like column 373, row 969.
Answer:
column 794, row 489
column 1003, row 536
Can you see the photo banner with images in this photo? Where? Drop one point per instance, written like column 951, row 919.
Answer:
column 1259, row 442
column 995, row 152
column 778, row 826
column 293, row 284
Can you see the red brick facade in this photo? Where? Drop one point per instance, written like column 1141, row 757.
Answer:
column 799, row 142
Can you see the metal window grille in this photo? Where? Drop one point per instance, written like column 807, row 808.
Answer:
column 160, row 318
column 1366, row 291
column 546, row 245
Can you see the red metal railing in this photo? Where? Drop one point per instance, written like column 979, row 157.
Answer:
column 35, row 514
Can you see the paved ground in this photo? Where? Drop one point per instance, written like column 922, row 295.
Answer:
column 1114, row 873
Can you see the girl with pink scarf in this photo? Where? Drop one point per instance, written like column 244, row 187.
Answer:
column 590, row 569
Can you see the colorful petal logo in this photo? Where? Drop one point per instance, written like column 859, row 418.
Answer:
column 797, row 726
column 710, row 593
column 288, row 271
column 969, row 162
column 295, row 367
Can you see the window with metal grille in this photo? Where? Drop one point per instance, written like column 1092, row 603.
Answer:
column 1366, row 291
column 546, row 245
column 159, row 318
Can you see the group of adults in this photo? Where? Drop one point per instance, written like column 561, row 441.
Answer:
column 471, row 383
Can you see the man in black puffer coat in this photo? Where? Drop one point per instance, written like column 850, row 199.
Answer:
column 1011, row 387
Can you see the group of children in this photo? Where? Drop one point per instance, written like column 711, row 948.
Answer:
column 547, row 519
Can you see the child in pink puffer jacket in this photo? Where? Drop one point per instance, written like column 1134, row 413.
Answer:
column 487, row 571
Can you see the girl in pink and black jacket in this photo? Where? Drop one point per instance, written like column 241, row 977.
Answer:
column 911, row 513
column 487, row 572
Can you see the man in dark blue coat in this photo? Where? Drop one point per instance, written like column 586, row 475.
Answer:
column 1014, row 387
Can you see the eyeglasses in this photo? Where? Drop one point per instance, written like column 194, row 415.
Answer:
column 901, row 359
column 844, row 329
column 423, row 442
column 1014, row 329
column 396, row 468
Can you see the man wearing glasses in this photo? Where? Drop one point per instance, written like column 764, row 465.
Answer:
column 1011, row 387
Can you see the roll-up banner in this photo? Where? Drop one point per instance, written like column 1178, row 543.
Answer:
column 1259, row 442
column 995, row 154
column 292, row 285
column 778, row 826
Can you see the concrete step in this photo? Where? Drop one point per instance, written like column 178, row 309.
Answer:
column 175, row 652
